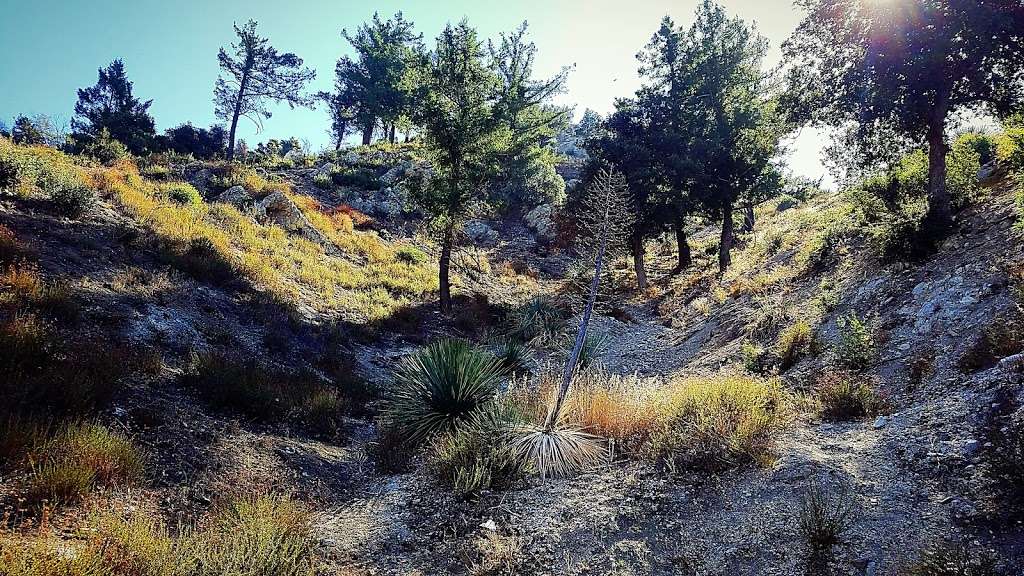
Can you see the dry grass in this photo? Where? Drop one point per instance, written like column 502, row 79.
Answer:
column 78, row 459
column 257, row 534
column 846, row 396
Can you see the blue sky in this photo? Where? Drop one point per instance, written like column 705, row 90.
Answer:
column 48, row 49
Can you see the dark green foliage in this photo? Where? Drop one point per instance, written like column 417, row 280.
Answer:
column 515, row 356
column 380, row 84
column 825, row 514
column 103, row 147
column 253, row 75
column 479, row 454
column 202, row 143
column 359, row 178
column 899, row 70
column 110, row 106
column 26, row 132
column 541, row 320
column 181, row 193
column 856, row 348
column 410, row 255
column 440, row 386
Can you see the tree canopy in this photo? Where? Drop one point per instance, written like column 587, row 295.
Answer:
column 898, row 71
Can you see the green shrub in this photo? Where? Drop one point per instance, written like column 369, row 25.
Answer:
column 441, row 386
column 180, row 193
column 12, row 173
column 322, row 181
column 540, row 320
column 847, row 397
column 71, row 198
column 359, row 178
column 479, row 454
column 514, row 356
column 105, row 149
column 795, row 342
column 855, row 349
column 755, row 357
column 410, row 254
column 825, row 514
column 155, row 171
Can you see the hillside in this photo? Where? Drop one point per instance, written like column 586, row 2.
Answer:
column 232, row 342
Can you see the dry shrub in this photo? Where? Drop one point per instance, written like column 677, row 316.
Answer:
column 847, row 396
column 795, row 342
column 718, row 422
column 78, row 459
column 11, row 249
column 496, row 555
column 1003, row 337
column 825, row 514
column 622, row 409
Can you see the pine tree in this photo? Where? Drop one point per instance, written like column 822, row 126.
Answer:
column 111, row 105
column 253, row 75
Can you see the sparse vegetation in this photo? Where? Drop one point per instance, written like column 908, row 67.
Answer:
column 847, row 396
column 795, row 342
column 825, row 514
column 855, row 349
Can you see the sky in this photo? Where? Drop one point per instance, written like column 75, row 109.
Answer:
column 48, row 49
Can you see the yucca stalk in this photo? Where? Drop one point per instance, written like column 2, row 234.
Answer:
column 555, row 449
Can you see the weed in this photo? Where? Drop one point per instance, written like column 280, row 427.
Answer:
column 795, row 342
column 845, row 396
column 825, row 514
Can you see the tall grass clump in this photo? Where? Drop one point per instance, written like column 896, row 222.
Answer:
column 479, row 454
column 540, row 320
column 718, row 422
column 825, row 514
column 795, row 342
column 440, row 386
column 80, row 458
column 847, row 396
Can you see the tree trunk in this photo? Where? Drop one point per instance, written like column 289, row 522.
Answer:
column 391, row 134
column 748, row 218
column 237, row 112
column 368, row 132
column 444, row 263
column 638, row 262
column 683, row 246
column 940, row 211
column 725, row 246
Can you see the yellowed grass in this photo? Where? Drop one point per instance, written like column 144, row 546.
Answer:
column 368, row 282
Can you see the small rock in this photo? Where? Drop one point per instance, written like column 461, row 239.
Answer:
column 489, row 525
column 880, row 422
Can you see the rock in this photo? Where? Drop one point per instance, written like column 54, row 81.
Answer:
column 294, row 155
column 1014, row 362
column 489, row 525
column 540, row 221
column 880, row 422
column 348, row 158
column 480, row 232
column 395, row 175
column 325, row 170
column 279, row 209
column 236, row 196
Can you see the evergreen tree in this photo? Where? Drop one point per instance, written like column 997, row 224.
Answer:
column 904, row 68
column 465, row 135
column 253, row 74
column 26, row 132
column 111, row 105
column 380, row 83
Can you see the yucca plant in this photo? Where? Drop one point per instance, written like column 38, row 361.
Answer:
column 515, row 356
column 539, row 320
column 441, row 385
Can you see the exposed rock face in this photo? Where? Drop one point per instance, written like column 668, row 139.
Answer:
column 280, row 210
column 236, row 196
column 386, row 203
column 480, row 233
column 396, row 174
column 541, row 221
column 325, row 170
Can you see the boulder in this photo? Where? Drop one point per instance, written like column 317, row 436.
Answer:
column 325, row 170
column 348, row 158
column 395, row 174
column 295, row 155
column 480, row 232
column 280, row 210
column 236, row 196
column 541, row 221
